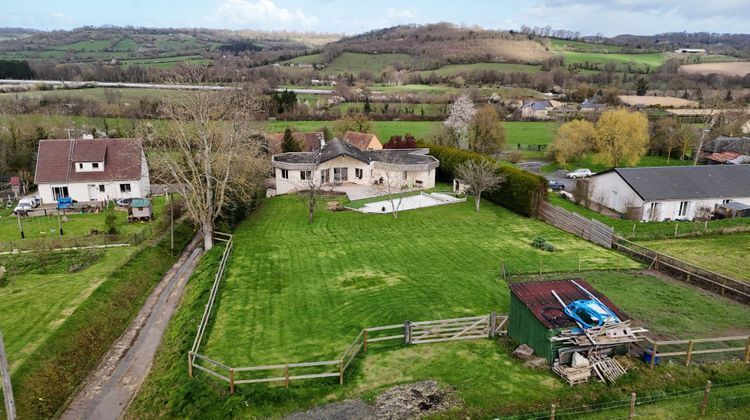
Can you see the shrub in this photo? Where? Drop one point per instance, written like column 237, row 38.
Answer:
column 515, row 156
column 541, row 243
column 110, row 221
column 521, row 192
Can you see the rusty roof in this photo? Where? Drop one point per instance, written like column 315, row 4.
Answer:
column 538, row 295
column 361, row 140
column 56, row 160
column 308, row 141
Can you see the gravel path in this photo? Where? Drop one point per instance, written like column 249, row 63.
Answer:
column 108, row 391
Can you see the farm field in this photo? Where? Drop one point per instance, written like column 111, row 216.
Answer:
column 504, row 67
column 41, row 297
column 131, row 95
column 738, row 68
column 589, row 161
column 166, row 62
column 727, row 254
column 362, row 271
column 516, row 132
column 642, row 231
column 651, row 60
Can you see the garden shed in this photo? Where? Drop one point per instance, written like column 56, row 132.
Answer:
column 140, row 210
column 536, row 315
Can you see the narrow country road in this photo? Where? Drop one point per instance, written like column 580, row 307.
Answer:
column 110, row 388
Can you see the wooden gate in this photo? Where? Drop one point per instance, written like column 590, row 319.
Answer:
column 469, row 328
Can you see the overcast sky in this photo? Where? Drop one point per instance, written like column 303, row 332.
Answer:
column 610, row 17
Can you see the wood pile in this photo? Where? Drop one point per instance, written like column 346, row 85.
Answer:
column 573, row 375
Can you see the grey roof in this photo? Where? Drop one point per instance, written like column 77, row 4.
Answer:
column 337, row 147
column 687, row 182
column 735, row 205
column 728, row 144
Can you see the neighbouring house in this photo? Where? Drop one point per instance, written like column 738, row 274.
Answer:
column 726, row 150
column 15, row 185
column 690, row 51
column 539, row 109
column 363, row 141
column 339, row 162
column 670, row 192
column 591, row 105
column 536, row 316
column 308, row 141
column 91, row 170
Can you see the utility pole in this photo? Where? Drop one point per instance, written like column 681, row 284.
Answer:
column 10, row 405
column 171, row 220
column 20, row 226
column 59, row 222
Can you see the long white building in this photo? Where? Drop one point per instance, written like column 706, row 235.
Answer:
column 670, row 192
column 91, row 169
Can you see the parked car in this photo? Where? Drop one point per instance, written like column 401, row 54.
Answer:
column 556, row 186
column 22, row 209
column 579, row 173
column 32, row 202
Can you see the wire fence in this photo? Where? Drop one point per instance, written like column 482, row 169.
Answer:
column 727, row 400
column 76, row 242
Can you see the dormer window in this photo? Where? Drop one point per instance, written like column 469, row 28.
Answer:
column 80, row 166
column 95, row 165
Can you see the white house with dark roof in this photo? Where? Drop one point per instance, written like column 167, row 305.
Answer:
column 91, row 169
column 670, row 192
column 339, row 162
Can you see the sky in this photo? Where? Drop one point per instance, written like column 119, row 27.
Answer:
column 590, row 17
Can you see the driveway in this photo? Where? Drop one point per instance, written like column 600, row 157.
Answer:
column 109, row 390
column 558, row 175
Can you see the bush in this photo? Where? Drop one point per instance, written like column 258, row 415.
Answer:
column 515, row 156
column 521, row 192
column 110, row 221
column 541, row 243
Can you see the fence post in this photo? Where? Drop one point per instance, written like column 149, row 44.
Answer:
column 704, row 403
column 552, row 410
column 364, row 344
column 653, row 354
column 631, row 413
column 286, row 376
column 579, row 263
column 492, row 320
column 231, row 381
column 747, row 351
column 341, row 372
column 407, row 332
column 689, row 353
column 190, row 363
column 676, row 225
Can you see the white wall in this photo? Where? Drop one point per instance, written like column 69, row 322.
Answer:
column 670, row 209
column 89, row 167
column 611, row 191
column 89, row 191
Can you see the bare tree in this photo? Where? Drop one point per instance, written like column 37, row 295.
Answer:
column 212, row 150
column 390, row 180
column 310, row 187
column 480, row 176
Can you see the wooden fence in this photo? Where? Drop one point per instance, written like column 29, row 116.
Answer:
column 56, row 242
column 588, row 229
column 688, row 348
column 421, row 332
column 685, row 271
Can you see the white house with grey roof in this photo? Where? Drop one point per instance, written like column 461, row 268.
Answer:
column 670, row 192
column 339, row 162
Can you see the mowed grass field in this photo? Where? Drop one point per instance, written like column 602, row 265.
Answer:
column 295, row 292
column 350, row 270
column 726, row 254
column 34, row 305
column 502, row 67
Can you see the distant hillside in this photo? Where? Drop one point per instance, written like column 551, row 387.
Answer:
column 436, row 45
column 15, row 33
column 737, row 45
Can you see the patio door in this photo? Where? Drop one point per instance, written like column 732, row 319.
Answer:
column 340, row 174
column 325, row 176
column 58, row 192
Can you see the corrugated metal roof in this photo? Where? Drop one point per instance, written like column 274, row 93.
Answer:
column 538, row 295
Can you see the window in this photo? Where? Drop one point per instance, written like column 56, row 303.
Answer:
column 683, row 208
column 405, row 174
column 358, row 173
column 725, row 201
column 285, row 173
column 124, row 188
column 325, row 176
column 80, row 166
column 101, row 187
column 60, row 192
column 95, row 165
column 305, row 175
column 340, row 174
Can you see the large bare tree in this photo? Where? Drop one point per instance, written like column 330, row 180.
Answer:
column 480, row 176
column 211, row 149
column 389, row 180
column 310, row 187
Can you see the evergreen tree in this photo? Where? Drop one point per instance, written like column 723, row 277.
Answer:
column 367, row 109
column 289, row 144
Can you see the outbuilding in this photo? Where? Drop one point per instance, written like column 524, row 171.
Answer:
column 140, row 210
column 536, row 315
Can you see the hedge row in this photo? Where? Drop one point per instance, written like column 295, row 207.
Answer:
column 521, row 192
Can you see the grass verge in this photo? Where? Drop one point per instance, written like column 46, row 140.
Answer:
column 52, row 374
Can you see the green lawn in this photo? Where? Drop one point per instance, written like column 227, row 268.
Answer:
column 295, row 292
column 350, row 270
column 589, row 161
column 349, row 62
column 77, row 224
column 503, row 67
column 727, row 254
column 35, row 304
column 652, row 60
column 569, row 45
column 642, row 231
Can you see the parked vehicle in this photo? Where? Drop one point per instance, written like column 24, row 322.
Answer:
column 32, row 202
column 22, row 209
column 556, row 186
column 579, row 173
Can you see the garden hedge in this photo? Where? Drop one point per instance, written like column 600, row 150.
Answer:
column 521, row 192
